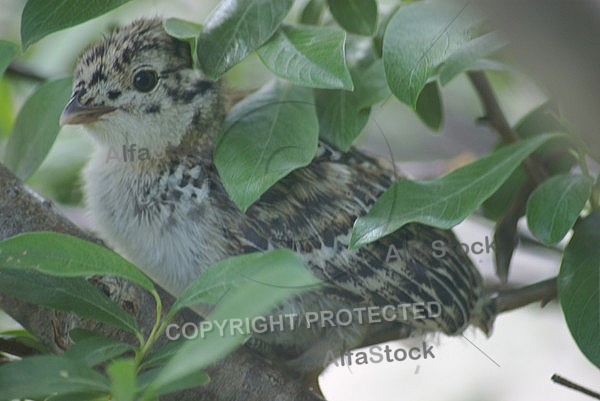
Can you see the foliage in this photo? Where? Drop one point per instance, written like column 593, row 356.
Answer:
column 338, row 60
column 443, row 202
column 266, row 124
column 58, row 255
column 32, row 138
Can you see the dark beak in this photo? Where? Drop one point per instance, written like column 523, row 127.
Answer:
column 76, row 113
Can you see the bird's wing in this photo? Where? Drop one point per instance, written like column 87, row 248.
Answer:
column 312, row 211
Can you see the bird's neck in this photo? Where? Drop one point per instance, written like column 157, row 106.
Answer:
column 125, row 153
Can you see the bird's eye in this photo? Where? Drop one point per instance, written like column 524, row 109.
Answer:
column 145, row 80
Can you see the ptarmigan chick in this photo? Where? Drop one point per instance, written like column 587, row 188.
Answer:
column 172, row 217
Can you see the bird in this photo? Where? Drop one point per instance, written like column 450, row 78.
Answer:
column 172, row 217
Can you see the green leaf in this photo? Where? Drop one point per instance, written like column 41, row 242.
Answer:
column 255, row 296
column 187, row 31
column 182, row 29
column 500, row 202
column 42, row 376
column 555, row 155
column 123, row 383
column 6, row 107
column 191, row 380
column 343, row 114
column 385, row 16
column 8, row 51
column 579, row 286
column 473, row 51
column 235, row 29
column 356, row 16
column 42, row 17
column 162, row 355
column 278, row 268
column 311, row 14
column 79, row 335
column 87, row 396
column 418, row 38
column 36, row 127
column 266, row 136
column 340, row 118
column 96, row 350
column 445, row 201
column 66, row 256
column 66, row 294
column 555, row 205
column 371, row 86
column 308, row 56
column 429, row 106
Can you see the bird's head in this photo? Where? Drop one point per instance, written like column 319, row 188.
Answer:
column 138, row 86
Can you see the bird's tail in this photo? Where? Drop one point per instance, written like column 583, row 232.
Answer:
column 485, row 315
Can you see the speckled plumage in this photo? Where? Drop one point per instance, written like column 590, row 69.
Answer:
column 172, row 217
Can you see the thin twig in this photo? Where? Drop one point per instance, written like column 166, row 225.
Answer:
column 544, row 291
column 567, row 383
column 497, row 120
column 21, row 70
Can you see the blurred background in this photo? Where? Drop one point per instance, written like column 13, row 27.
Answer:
column 527, row 345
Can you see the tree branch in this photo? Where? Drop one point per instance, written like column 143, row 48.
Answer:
column 568, row 383
column 242, row 375
column 21, row 70
column 497, row 120
column 544, row 291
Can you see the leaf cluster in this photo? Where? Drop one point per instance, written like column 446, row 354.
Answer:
column 48, row 269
